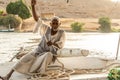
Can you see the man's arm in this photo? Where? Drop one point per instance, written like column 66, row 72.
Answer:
column 49, row 43
column 56, row 45
column 33, row 3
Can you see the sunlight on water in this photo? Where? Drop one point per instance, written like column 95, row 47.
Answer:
column 104, row 44
column 10, row 43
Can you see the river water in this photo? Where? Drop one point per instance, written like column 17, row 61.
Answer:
column 100, row 43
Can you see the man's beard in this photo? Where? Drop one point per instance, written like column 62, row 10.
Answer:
column 56, row 29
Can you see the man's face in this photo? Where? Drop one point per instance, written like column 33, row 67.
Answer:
column 55, row 24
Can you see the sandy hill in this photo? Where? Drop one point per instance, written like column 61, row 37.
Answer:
column 87, row 11
column 75, row 8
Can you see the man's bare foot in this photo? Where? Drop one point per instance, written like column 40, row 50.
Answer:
column 4, row 78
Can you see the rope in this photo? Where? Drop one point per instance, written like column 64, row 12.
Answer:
column 52, row 74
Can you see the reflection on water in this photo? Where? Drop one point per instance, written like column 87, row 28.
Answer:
column 101, row 43
column 11, row 42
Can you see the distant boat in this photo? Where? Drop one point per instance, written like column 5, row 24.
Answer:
column 8, row 30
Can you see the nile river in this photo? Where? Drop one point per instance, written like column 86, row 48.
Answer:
column 104, row 44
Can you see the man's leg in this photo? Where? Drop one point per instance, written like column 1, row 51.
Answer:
column 47, row 60
column 7, row 77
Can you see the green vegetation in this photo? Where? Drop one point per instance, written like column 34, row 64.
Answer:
column 1, row 12
column 9, row 20
column 114, row 74
column 105, row 24
column 18, row 8
column 77, row 26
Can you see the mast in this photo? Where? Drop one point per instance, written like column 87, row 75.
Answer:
column 118, row 48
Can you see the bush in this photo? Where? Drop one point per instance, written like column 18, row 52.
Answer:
column 105, row 24
column 11, row 20
column 77, row 27
column 18, row 8
column 114, row 74
column 1, row 12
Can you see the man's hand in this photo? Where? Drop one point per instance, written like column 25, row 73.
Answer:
column 33, row 2
column 49, row 43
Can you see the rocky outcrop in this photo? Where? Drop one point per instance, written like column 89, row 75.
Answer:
column 75, row 8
